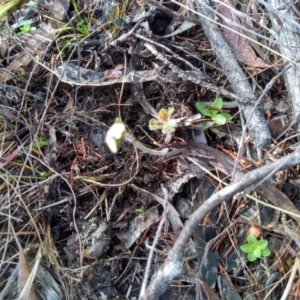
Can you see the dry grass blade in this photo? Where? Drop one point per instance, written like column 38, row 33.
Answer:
column 10, row 6
column 25, row 281
column 25, row 275
column 50, row 288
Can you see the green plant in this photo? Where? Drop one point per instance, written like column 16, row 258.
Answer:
column 255, row 248
column 82, row 26
column 139, row 210
column 92, row 220
column 25, row 28
column 215, row 112
column 164, row 121
column 117, row 12
column 39, row 143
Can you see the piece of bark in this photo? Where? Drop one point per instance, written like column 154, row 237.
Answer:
column 258, row 127
column 288, row 41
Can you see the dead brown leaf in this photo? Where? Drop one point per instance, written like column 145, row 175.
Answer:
column 70, row 101
column 240, row 45
column 210, row 294
column 9, row 157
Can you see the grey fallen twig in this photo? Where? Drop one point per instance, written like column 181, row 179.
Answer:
column 258, row 128
column 265, row 91
column 288, row 41
column 74, row 75
column 155, row 241
column 162, row 279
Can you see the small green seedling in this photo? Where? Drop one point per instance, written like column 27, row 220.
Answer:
column 92, row 220
column 216, row 115
column 82, row 27
column 139, row 210
column 25, row 28
column 255, row 248
column 164, row 121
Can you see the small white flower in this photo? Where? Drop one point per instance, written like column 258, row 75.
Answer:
column 115, row 136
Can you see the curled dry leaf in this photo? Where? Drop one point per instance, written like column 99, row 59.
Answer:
column 240, row 45
column 254, row 230
column 10, row 157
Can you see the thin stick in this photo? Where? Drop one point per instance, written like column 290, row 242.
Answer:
column 143, row 295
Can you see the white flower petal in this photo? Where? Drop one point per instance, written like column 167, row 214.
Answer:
column 111, row 143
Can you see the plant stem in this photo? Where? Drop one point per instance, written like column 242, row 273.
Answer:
column 129, row 138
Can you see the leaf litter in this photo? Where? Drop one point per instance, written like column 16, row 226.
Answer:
column 98, row 212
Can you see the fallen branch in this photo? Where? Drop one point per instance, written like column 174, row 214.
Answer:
column 288, row 41
column 173, row 264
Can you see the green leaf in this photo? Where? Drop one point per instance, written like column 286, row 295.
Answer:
column 170, row 113
column 265, row 252
column 251, row 239
column 262, row 244
column 246, row 248
column 139, row 210
column 203, row 109
column 26, row 27
column 218, row 103
column 155, row 125
column 39, row 144
column 227, row 116
column 251, row 257
column 257, row 252
column 82, row 27
column 169, row 126
column 219, row 119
